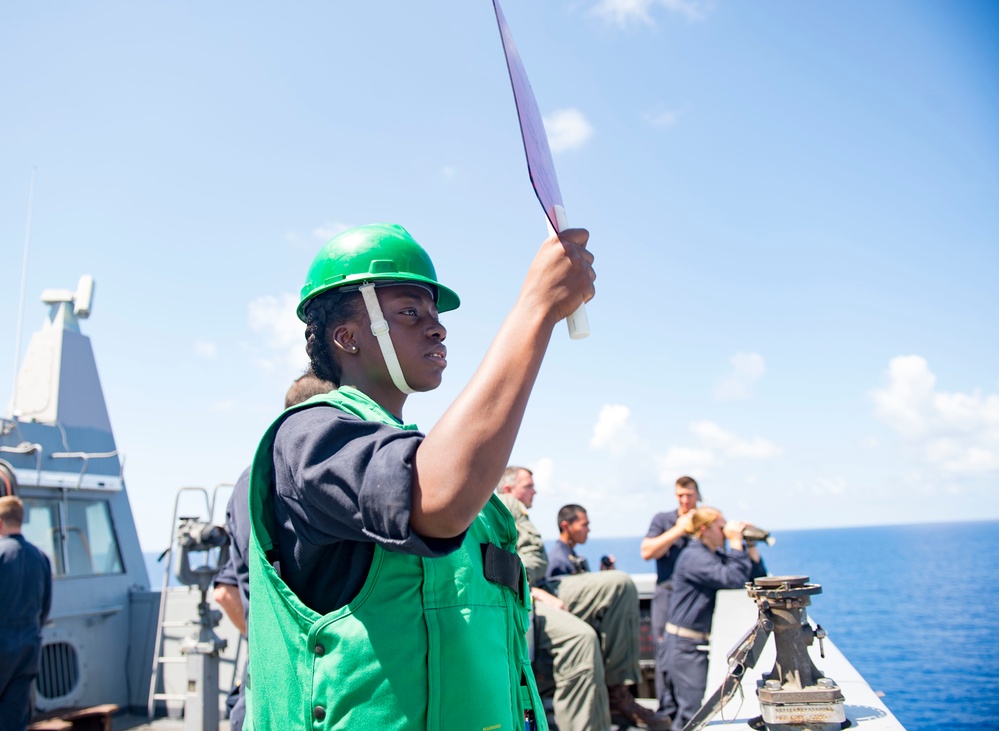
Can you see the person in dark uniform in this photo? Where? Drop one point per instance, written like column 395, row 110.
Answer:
column 25, row 601
column 667, row 536
column 232, row 583
column 573, row 530
column 703, row 568
column 609, row 601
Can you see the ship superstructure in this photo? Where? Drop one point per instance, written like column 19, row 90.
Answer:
column 58, row 453
column 111, row 642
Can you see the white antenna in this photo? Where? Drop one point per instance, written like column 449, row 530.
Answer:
column 24, row 284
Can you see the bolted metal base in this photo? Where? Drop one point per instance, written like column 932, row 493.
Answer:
column 794, row 695
column 201, row 706
column 817, row 708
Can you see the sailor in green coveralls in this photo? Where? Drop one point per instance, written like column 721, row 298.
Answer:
column 386, row 589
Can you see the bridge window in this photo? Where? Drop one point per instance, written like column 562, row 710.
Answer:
column 41, row 527
column 76, row 535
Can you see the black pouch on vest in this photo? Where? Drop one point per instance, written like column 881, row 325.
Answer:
column 503, row 567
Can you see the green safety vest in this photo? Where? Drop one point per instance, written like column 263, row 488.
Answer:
column 428, row 643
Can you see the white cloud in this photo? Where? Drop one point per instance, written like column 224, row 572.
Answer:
column 955, row 455
column 567, row 129
column 557, row 488
column 677, row 461
column 905, row 401
column 715, row 444
column 757, row 448
column 325, row 231
column 624, row 13
column 959, row 432
column 613, row 430
column 543, row 472
column 283, row 334
column 206, row 349
column 664, row 118
column 732, row 444
column 690, row 9
column 747, row 369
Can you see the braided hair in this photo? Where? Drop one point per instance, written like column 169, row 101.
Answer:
column 324, row 313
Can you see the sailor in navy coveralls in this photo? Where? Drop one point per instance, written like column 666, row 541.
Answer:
column 25, row 601
column 702, row 569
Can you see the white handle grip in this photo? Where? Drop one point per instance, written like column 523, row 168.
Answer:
column 579, row 325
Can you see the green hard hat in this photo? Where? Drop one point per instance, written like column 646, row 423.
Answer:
column 378, row 252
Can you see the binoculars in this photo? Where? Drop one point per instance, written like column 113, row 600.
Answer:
column 754, row 534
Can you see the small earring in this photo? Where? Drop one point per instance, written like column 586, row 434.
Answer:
column 350, row 348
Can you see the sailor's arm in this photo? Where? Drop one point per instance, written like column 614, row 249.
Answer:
column 544, row 597
column 730, row 572
column 227, row 597
column 47, row 596
column 463, row 456
column 758, row 568
column 714, row 570
column 658, row 546
column 733, row 532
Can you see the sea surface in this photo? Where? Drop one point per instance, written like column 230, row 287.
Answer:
column 915, row 608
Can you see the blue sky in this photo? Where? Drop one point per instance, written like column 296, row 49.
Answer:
column 793, row 208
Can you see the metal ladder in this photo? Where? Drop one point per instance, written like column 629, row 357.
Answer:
column 162, row 624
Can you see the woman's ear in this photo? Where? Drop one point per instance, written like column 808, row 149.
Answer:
column 343, row 340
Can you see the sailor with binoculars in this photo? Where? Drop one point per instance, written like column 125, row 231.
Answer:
column 703, row 567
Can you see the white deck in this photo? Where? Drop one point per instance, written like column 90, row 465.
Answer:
column 735, row 614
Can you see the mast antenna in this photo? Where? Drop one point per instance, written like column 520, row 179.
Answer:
column 24, row 284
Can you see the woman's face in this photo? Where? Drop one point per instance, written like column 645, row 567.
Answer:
column 713, row 535
column 417, row 336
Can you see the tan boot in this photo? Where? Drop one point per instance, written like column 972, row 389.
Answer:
column 623, row 703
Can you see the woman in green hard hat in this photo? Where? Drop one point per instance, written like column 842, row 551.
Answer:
column 386, row 589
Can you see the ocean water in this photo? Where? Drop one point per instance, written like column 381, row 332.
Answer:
column 915, row 609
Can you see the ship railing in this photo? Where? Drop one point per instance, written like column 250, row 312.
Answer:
column 86, row 457
column 28, row 448
column 37, row 450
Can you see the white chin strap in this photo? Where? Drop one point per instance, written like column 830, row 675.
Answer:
column 380, row 329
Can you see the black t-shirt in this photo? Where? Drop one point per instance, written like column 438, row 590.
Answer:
column 342, row 485
column 665, row 564
column 564, row 561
